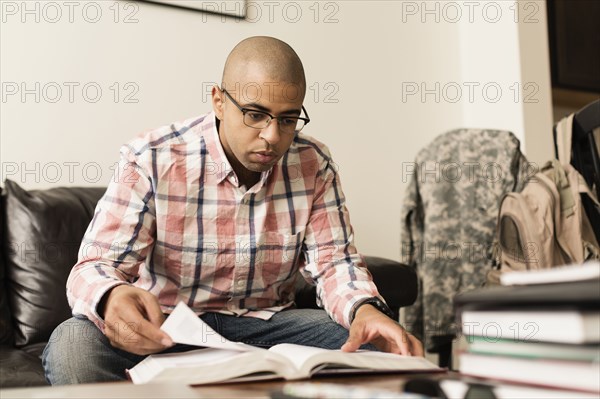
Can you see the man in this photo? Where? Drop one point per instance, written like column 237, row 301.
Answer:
column 221, row 211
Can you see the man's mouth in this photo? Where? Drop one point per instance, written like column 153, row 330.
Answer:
column 264, row 156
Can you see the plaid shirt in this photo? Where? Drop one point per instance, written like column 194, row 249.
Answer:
column 174, row 221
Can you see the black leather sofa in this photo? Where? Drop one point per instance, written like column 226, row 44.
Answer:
column 39, row 239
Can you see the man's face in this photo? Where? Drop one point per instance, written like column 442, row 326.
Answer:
column 256, row 150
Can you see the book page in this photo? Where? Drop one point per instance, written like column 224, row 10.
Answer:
column 309, row 360
column 185, row 327
column 152, row 366
column 202, row 366
column 196, row 357
column 298, row 355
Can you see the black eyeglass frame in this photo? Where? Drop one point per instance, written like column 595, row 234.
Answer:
column 244, row 110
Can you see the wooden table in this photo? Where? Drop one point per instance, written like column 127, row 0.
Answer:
column 392, row 382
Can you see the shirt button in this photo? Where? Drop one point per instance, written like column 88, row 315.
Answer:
column 240, row 284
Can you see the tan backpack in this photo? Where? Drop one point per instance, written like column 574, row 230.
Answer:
column 545, row 225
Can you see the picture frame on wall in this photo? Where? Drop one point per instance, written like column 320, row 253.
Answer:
column 232, row 8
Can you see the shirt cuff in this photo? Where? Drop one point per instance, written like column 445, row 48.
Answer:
column 90, row 309
column 375, row 301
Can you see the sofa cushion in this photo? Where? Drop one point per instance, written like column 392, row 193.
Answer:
column 44, row 229
column 20, row 369
column 6, row 330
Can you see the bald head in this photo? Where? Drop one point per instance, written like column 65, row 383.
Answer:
column 261, row 59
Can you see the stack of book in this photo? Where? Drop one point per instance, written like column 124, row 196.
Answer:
column 538, row 328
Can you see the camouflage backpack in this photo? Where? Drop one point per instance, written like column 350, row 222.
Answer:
column 545, row 225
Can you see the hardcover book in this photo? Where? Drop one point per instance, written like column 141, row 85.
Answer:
column 221, row 360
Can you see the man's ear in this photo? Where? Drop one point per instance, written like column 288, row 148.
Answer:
column 217, row 102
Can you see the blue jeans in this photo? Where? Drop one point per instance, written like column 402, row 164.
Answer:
column 78, row 352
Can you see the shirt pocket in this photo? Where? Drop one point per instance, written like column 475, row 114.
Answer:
column 277, row 257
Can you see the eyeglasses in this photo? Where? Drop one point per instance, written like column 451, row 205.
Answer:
column 261, row 119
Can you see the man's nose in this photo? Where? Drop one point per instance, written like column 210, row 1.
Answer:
column 271, row 133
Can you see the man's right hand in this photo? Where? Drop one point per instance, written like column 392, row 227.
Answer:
column 132, row 320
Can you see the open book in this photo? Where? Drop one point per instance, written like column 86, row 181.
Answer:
column 224, row 361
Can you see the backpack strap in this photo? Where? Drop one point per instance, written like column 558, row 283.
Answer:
column 569, row 184
column 584, row 189
column 563, row 186
column 564, row 138
column 560, row 179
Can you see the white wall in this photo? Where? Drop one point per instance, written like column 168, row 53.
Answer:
column 490, row 62
column 362, row 58
column 505, row 52
column 536, row 97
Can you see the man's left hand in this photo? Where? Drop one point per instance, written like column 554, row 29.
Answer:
column 372, row 326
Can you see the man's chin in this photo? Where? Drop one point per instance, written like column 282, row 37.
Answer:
column 259, row 167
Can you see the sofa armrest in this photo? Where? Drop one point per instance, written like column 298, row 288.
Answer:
column 397, row 284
